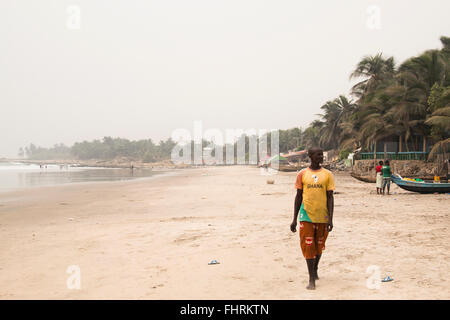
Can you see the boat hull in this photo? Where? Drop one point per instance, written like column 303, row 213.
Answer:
column 421, row 187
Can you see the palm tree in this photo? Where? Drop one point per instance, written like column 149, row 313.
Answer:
column 440, row 118
column 429, row 67
column 408, row 105
column 335, row 113
column 312, row 134
column 373, row 70
column 374, row 121
column 370, row 122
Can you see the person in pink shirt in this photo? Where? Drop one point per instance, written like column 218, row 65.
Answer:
column 379, row 177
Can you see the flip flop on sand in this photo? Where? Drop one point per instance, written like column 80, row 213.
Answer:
column 387, row 279
column 214, row 262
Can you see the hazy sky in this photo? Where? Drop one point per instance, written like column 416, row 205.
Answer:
column 142, row 68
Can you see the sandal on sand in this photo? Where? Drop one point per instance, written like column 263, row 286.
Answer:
column 214, row 262
column 387, row 279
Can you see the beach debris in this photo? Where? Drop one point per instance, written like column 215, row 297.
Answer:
column 273, row 193
column 71, row 219
column 270, row 181
column 213, row 262
column 387, row 279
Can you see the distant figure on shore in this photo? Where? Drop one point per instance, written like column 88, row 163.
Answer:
column 379, row 177
column 446, row 169
column 315, row 204
column 386, row 170
column 442, row 170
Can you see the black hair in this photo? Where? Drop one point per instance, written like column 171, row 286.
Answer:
column 313, row 149
column 380, row 163
column 386, row 162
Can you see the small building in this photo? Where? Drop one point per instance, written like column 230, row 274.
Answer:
column 394, row 147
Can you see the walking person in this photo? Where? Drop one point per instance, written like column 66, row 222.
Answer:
column 379, row 177
column 314, row 203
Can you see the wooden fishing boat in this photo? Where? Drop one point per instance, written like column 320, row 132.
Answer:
column 370, row 179
column 421, row 187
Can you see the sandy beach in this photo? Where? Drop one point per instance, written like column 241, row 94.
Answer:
column 152, row 238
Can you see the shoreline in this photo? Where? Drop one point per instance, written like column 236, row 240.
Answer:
column 160, row 174
column 114, row 164
column 153, row 239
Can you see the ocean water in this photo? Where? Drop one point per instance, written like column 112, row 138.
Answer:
column 16, row 175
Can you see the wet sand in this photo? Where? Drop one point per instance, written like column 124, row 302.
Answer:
column 153, row 239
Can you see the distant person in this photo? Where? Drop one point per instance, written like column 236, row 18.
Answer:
column 446, row 169
column 386, row 170
column 379, row 177
column 315, row 203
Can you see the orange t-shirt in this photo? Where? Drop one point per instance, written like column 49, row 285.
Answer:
column 315, row 184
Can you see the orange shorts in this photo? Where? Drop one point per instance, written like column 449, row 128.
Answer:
column 312, row 238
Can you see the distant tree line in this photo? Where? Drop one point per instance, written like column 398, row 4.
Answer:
column 146, row 150
column 106, row 149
